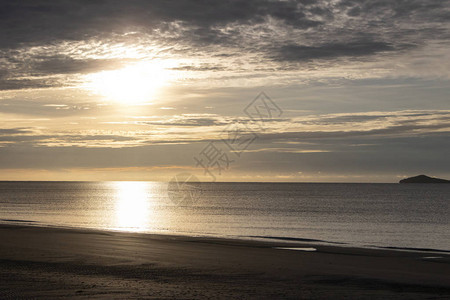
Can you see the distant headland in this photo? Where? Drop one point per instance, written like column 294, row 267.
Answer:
column 423, row 179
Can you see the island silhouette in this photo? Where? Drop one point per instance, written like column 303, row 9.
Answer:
column 423, row 179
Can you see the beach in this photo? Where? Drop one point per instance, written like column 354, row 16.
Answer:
column 45, row 263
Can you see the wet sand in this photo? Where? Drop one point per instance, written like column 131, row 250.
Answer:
column 46, row 263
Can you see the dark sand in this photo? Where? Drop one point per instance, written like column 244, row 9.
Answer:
column 51, row 263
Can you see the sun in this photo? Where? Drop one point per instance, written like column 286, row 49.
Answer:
column 134, row 84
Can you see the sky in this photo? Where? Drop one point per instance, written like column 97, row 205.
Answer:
column 242, row 90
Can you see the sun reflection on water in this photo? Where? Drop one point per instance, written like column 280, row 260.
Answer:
column 134, row 206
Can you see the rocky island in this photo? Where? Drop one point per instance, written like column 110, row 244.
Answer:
column 423, row 179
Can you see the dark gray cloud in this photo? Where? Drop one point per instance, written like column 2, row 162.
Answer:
column 190, row 121
column 295, row 52
column 9, row 131
column 344, row 119
column 202, row 67
column 42, row 22
column 47, row 109
column 431, row 10
column 67, row 65
column 401, row 130
column 16, row 84
column 64, row 140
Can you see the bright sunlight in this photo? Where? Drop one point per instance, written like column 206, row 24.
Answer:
column 138, row 83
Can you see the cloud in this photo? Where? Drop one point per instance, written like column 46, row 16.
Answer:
column 202, row 67
column 50, row 109
column 373, row 142
column 190, row 120
column 295, row 52
column 41, row 39
column 285, row 150
column 9, row 131
column 45, row 22
column 307, row 134
column 68, row 140
column 18, row 84
column 362, row 125
column 67, row 65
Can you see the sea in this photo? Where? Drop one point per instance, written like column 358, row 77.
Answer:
column 403, row 216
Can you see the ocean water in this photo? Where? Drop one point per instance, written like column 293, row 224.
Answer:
column 381, row 215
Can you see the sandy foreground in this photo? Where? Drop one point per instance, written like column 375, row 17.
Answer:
column 51, row 263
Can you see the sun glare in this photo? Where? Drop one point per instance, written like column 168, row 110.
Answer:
column 134, row 84
column 133, row 206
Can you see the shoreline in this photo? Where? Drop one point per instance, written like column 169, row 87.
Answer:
column 49, row 262
column 276, row 240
